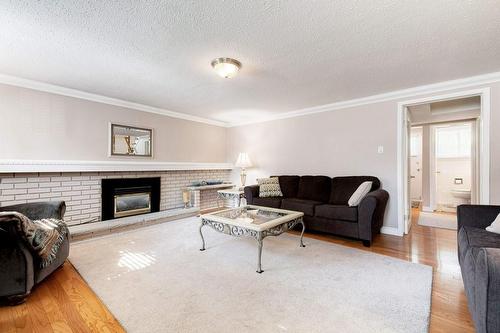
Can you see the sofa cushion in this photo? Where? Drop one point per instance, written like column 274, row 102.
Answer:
column 289, row 186
column 274, row 202
column 495, row 225
column 343, row 187
column 300, row 205
column 316, row 188
column 336, row 212
column 472, row 239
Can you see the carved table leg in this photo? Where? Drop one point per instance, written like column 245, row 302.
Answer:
column 302, row 234
column 259, row 255
column 202, row 239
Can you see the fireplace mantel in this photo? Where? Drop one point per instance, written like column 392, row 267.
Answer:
column 20, row 166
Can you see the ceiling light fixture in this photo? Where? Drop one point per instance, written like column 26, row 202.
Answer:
column 226, row 67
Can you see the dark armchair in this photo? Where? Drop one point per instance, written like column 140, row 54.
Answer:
column 19, row 269
column 479, row 257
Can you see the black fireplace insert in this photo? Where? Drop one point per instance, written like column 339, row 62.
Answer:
column 129, row 196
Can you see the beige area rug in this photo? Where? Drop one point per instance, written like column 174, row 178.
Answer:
column 446, row 221
column 155, row 279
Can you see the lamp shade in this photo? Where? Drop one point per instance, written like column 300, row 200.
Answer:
column 243, row 161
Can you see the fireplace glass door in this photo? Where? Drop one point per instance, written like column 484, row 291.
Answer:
column 132, row 204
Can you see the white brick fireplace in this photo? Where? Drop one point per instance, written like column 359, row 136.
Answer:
column 82, row 190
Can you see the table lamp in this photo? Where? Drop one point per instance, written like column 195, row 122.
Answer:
column 243, row 162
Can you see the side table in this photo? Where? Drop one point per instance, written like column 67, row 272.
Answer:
column 234, row 194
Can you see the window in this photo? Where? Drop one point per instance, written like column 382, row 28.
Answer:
column 453, row 141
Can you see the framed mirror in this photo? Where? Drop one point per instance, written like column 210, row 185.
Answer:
column 130, row 141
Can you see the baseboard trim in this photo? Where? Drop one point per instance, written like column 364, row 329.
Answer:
column 391, row 231
column 427, row 209
column 90, row 230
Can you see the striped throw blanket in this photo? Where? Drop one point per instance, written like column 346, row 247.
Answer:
column 43, row 237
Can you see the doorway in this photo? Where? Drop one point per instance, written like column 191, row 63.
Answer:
column 443, row 155
column 442, row 176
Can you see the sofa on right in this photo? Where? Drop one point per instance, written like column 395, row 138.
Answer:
column 324, row 202
column 479, row 258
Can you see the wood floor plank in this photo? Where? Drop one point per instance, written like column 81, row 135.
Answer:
column 92, row 310
column 56, row 317
column 69, row 305
column 41, row 322
column 7, row 320
column 68, row 309
column 22, row 319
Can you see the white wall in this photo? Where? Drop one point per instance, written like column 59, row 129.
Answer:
column 40, row 125
column 343, row 142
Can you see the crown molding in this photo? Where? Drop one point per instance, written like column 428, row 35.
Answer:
column 389, row 96
column 59, row 90
column 29, row 166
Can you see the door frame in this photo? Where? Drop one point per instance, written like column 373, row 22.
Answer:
column 402, row 154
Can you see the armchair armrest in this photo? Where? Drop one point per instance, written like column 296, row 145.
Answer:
column 251, row 192
column 479, row 216
column 487, row 290
column 39, row 210
column 371, row 212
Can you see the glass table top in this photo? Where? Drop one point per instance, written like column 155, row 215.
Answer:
column 253, row 216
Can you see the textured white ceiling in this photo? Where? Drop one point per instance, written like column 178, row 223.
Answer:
column 295, row 54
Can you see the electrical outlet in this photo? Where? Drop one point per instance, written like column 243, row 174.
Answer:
column 380, row 149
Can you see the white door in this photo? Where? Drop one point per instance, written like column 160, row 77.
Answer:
column 416, row 164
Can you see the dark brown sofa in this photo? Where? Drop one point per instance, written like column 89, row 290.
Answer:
column 323, row 200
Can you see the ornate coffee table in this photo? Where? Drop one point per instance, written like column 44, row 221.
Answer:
column 253, row 221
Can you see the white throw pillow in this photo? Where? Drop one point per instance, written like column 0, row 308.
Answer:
column 495, row 226
column 359, row 194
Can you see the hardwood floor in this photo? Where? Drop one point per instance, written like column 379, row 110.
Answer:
column 65, row 303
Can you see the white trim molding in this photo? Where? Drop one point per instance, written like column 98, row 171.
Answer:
column 31, row 166
column 385, row 97
column 484, row 147
column 391, row 231
column 54, row 89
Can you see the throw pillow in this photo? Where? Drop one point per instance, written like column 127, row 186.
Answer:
column 269, row 187
column 495, row 226
column 359, row 194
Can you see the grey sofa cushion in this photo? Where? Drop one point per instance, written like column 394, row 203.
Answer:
column 472, row 239
column 300, row 205
column 273, row 202
column 344, row 187
column 337, row 212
